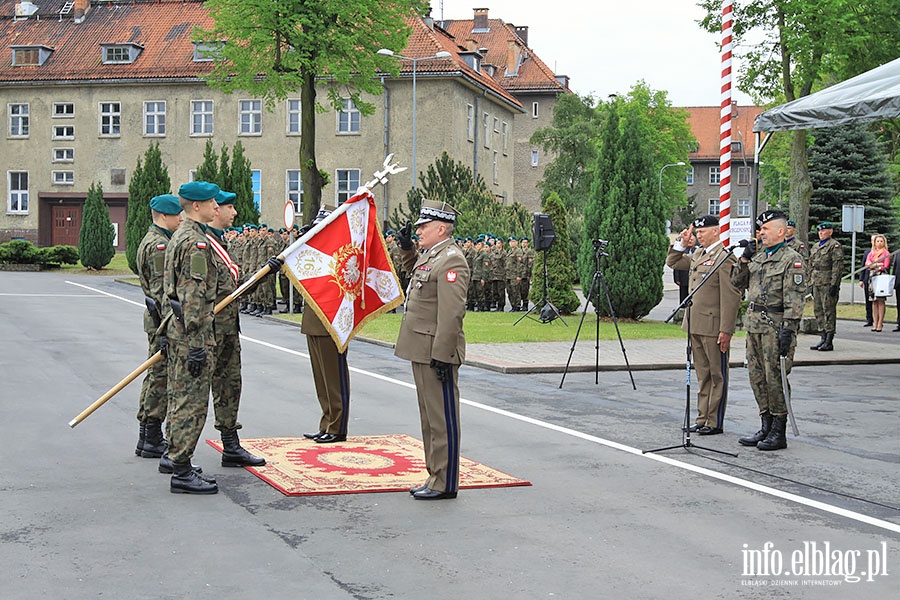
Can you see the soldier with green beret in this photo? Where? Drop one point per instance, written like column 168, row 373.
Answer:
column 826, row 263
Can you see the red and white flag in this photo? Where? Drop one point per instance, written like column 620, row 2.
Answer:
column 343, row 269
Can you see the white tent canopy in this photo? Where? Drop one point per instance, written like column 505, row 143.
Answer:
column 870, row 96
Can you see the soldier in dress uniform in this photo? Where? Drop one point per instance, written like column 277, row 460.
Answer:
column 190, row 287
column 712, row 318
column 826, row 262
column 431, row 337
column 151, row 258
column 775, row 280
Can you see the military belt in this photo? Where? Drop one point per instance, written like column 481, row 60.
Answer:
column 755, row 307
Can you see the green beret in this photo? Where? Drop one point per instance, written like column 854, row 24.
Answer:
column 791, row 223
column 525, row 239
column 199, row 191
column 282, row 230
column 223, row 198
column 263, row 226
column 389, row 232
column 166, row 204
column 239, row 229
column 824, row 225
column 250, row 226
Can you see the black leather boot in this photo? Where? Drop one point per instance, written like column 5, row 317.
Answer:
column 167, row 466
column 827, row 345
column 821, row 342
column 186, row 481
column 233, row 455
column 142, row 434
column 776, row 440
column 752, row 440
column 154, row 442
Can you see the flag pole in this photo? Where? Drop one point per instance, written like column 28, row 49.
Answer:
column 725, row 126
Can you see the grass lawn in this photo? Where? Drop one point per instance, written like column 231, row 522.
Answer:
column 117, row 266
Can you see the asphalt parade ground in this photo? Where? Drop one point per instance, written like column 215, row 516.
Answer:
column 84, row 518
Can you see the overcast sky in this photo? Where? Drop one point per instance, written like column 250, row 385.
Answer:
column 605, row 47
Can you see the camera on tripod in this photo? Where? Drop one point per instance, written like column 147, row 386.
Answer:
column 600, row 247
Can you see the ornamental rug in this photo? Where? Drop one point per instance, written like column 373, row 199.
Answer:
column 378, row 463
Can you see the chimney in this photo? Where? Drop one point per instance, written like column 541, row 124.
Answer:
column 481, row 20
column 522, row 32
column 81, row 9
column 429, row 21
column 513, row 55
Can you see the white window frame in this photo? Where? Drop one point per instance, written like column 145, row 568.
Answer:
column 294, row 116
column 63, row 110
column 250, row 117
column 205, row 111
column 63, row 132
column 120, row 54
column 63, row 155
column 743, row 176
column 19, row 121
column 17, row 198
column 110, row 118
column 689, row 177
column 156, row 117
column 486, row 128
column 348, row 119
column 534, row 158
column 344, row 187
column 715, row 177
column 713, row 205
column 470, row 122
column 256, row 178
column 743, row 207
column 62, row 177
column 496, row 167
column 496, row 125
column 535, row 112
column 293, row 186
column 504, row 138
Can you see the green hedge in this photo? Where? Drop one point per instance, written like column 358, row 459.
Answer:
column 23, row 252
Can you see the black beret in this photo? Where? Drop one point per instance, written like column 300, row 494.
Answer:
column 706, row 221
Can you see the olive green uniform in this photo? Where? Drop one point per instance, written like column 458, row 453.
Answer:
column 826, row 263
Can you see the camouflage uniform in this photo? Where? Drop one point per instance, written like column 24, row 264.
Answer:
column 498, row 277
column 525, row 284
column 482, row 273
column 514, row 261
column 151, row 258
column 267, row 285
column 826, row 263
column 226, row 359
column 190, row 278
column 776, row 286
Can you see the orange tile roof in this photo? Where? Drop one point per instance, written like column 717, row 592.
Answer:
column 704, row 122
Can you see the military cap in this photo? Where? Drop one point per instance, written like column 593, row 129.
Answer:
column 770, row 215
column 166, row 204
column 469, row 238
column 389, row 232
column 223, row 197
column 271, row 230
column 512, row 237
column 824, row 225
column 282, row 230
column 263, row 226
column 434, row 210
column 250, row 226
column 792, row 223
column 705, row 221
column 239, row 229
column 199, row 191
column 525, row 239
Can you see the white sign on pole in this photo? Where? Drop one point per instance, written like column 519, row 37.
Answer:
column 288, row 214
column 853, row 216
column 740, row 230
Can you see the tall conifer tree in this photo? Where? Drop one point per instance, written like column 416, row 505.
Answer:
column 148, row 180
column 95, row 240
column 561, row 272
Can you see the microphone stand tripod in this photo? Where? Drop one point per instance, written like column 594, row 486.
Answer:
column 686, row 442
column 599, row 247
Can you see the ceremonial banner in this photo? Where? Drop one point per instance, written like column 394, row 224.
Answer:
column 343, row 269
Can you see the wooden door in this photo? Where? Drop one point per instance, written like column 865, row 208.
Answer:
column 66, row 225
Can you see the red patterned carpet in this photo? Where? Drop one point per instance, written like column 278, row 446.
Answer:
column 379, row 463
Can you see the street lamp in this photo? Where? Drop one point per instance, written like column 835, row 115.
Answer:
column 441, row 54
column 680, row 163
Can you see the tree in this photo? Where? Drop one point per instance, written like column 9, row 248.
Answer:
column 276, row 48
column 560, row 269
column 807, row 43
column 241, row 183
column 95, row 240
column 848, row 167
column 209, row 168
column 148, row 180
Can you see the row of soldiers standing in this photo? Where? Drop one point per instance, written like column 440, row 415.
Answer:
column 250, row 246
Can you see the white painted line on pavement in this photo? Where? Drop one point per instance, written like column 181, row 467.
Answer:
column 828, row 508
column 106, row 293
column 52, row 295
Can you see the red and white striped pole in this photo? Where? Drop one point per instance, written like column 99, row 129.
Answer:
column 725, row 127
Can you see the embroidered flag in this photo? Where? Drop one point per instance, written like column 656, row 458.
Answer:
column 343, row 269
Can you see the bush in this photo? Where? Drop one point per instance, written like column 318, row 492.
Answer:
column 19, row 252
column 58, row 255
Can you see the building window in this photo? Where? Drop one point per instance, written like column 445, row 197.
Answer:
column 63, row 110
column 63, row 177
column 201, row 117
column 30, row 56
column 63, row 155
column 504, row 137
column 714, row 177
column 534, row 158
column 486, row 126
column 17, row 195
column 470, row 122
column 294, row 187
column 713, row 206
column 116, row 54
column 348, row 118
column 18, row 120
column 110, row 119
column 347, row 184
column 293, row 116
column 155, row 118
column 207, row 51
column 743, row 176
column 496, row 170
column 63, row 132
column 250, row 115
column 743, row 207
column 534, row 110
column 496, row 125
column 256, row 178
column 689, row 177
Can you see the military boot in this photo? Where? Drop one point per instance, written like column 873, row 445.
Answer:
column 776, row 440
column 233, row 455
column 142, row 434
column 827, row 345
column 154, row 442
column 821, row 342
column 187, row 481
column 752, row 440
column 166, row 466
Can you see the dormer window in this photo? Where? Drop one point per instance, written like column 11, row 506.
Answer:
column 117, row 54
column 207, row 51
column 24, row 56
